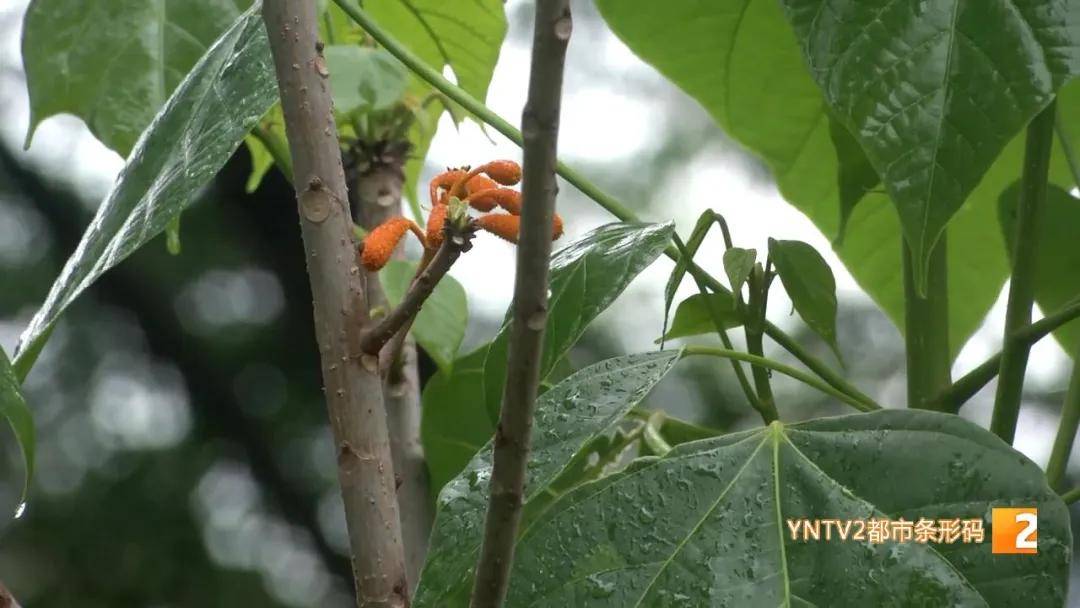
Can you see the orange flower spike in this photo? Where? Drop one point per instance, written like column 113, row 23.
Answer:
column 379, row 244
column 478, row 183
column 506, row 172
column 444, row 180
column 435, row 222
column 506, row 227
column 486, row 200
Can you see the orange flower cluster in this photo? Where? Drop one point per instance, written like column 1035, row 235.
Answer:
column 482, row 188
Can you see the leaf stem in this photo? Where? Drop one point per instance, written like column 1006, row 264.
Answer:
column 540, row 124
column 571, row 175
column 926, row 328
column 755, row 328
column 972, row 382
column 1066, row 434
column 1040, row 139
column 354, row 396
column 1071, row 496
column 789, row 371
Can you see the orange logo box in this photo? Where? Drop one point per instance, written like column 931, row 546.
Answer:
column 1015, row 530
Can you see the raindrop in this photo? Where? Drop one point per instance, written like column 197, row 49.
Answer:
column 19, row 510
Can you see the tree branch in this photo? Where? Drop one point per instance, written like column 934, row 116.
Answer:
column 1014, row 355
column 540, row 129
column 353, row 390
column 456, row 242
column 375, row 174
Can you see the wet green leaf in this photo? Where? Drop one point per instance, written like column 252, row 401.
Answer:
column 693, row 318
column 364, row 79
column 738, row 263
column 707, row 524
column 14, row 409
column 197, row 130
column 1057, row 266
column 568, row 417
column 440, row 325
column 114, row 63
column 809, row 282
column 586, row 277
column 934, row 91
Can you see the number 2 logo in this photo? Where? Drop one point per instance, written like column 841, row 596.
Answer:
column 1015, row 530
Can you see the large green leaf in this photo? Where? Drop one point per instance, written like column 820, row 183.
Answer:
column 14, row 409
column 568, row 417
column 586, row 277
column 934, row 90
column 196, row 131
column 741, row 61
column 114, row 63
column 440, row 325
column 1057, row 273
column 706, row 525
column 455, row 422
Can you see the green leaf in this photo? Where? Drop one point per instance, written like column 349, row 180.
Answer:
column 568, row 417
column 364, row 79
column 738, row 263
column 934, row 93
column 114, row 63
column 172, row 236
column 706, row 525
column 740, row 60
column 586, row 277
column 1057, row 266
column 692, row 317
column 14, row 409
column 455, row 422
column 440, row 325
column 809, row 282
column 197, row 130
column 856, row 176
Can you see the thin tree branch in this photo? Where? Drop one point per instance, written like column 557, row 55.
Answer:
column 540, row 126
column 353, row 390
column 1040, row 140
column 456, row 242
